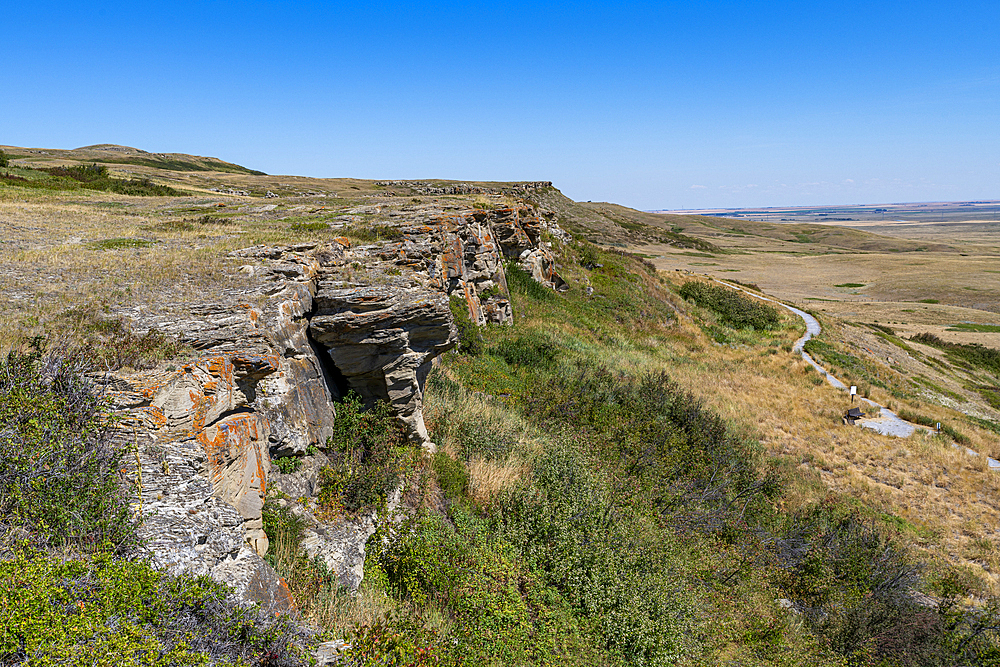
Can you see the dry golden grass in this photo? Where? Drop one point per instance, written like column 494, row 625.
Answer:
column 488, row 477
column 323, row 605
column 923, row 479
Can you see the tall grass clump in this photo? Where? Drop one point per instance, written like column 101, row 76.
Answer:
column 520, row 281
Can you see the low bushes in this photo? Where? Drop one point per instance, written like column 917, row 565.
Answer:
column 122, row 613
column 531, row 349
column 972, row 354
column 682, row 453
column 61, row 479
column 854, row 586
column 930, row 422
column 96, row 177
column 496, row 610
column 733, row 308
column 367, row 456
column 92, row 177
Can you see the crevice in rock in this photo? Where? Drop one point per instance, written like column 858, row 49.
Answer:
column 241, row 410
column 336, row 381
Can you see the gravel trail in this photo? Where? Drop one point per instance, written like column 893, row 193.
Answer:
column 888, row 423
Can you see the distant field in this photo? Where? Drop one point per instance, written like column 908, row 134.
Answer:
column 840, row 215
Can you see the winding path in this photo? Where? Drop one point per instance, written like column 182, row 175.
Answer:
column 889, row 423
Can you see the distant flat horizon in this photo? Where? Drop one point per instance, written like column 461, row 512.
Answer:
column 985, row 210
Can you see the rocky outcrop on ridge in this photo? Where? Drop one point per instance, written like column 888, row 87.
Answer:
column 322, row 319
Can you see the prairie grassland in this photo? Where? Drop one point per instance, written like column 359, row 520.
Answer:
column 61, row 256
column 948, row 494
column 115, row 252
column 892, row 282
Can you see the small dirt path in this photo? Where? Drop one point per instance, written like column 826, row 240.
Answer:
column 888, row 423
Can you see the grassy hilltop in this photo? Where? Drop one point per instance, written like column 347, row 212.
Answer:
column 639, row 471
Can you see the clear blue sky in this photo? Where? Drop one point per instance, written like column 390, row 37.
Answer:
column 651, row 105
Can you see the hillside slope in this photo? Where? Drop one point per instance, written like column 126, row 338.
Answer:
column 614, row 465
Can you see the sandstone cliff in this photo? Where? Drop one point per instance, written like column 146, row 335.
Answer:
column 321, row 320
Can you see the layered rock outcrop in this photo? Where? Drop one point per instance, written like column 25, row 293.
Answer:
column 382, row 339
column 321, row 319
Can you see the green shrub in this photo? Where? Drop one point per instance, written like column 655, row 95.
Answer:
column 499, row 611
column 121, row 612
column 61, row 478
column 857, row 371
column 613, row 569
column 853, row 585
column 679, row 240
column 4, row 160
column 280, row 523
column 531, row 349
column 93, row 177
column 955, row 435
column 520, row 281
column 916, row 418
column 657, row 431
column 367, row 457
column 586, row 255
column 287, row 464
column 470, row 338
column 734, row 308
column 121, row 244
column 452, row 477
column 96, row 177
